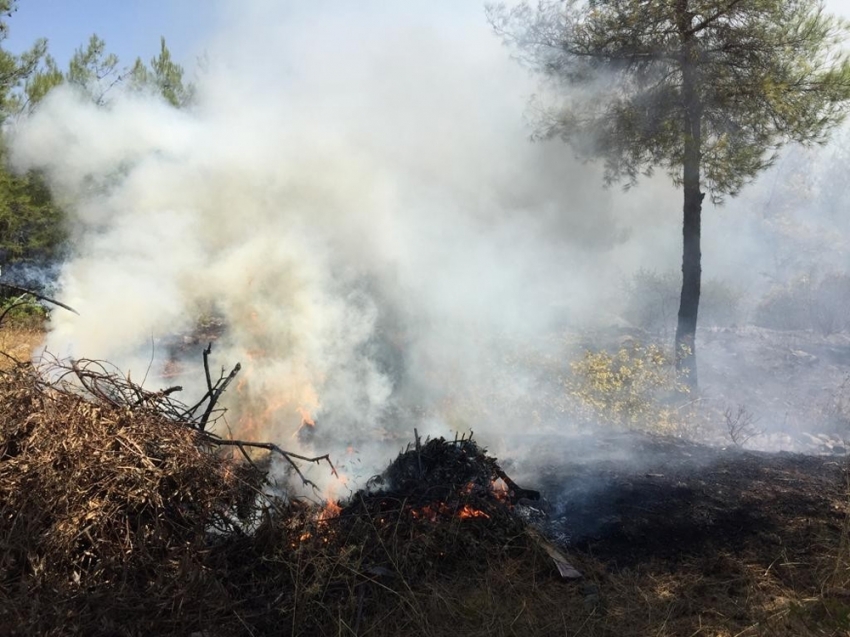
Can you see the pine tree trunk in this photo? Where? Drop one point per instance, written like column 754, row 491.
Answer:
column 686, row 359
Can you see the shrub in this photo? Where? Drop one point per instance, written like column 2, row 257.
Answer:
column 23, row 311
column 785, row 307
column 807, row 303
column 630, row 388
column 830, row 306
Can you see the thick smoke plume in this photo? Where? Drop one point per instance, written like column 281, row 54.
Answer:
column 355, row 199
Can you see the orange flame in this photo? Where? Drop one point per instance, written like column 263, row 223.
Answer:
column 329, row 511
column 306, row 418
column 432, row 512
column 468, row 512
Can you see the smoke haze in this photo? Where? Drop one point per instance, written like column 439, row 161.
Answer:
column 356, row 197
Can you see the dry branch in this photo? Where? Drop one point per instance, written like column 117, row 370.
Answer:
column 104, row 384
column 289, row 456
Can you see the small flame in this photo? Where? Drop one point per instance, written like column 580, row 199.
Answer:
column 428, row 512
column 500, row 490
column 468, row 512
column 308, row 424
column 431, row 512
column 329, row 511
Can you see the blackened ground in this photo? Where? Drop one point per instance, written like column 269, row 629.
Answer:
column 669, row 497
column 694, row 536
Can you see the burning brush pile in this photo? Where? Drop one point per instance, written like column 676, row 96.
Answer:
column 121, row 513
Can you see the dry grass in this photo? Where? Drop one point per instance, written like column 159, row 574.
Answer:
column 19, row 342
column 104, row 514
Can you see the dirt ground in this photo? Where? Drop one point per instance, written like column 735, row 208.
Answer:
column 792, row 382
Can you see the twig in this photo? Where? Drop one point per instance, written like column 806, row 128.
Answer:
column 418, row 451
column 12, row 307
column 207, row 351
column 40, row 296
column 162, row 393
column 740, row 425
column 360, row 595
column 215, row 394
column 270, row 446
column 150, row 362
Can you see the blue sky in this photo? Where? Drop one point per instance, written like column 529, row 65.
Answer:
column 130, row 28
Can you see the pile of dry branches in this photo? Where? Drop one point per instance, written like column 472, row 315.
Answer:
column 102, row 501
column 432, row 519
column 113, row 499
column 120, row 515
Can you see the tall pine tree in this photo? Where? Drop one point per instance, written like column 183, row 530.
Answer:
column 708, row 90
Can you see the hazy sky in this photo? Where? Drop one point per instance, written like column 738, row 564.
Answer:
column 132, row 27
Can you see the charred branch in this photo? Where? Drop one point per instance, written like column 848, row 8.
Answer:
column 289, row 456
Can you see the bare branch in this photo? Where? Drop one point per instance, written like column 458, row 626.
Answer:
column 40, row 296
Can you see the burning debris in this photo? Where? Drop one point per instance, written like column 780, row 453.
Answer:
column 446, row 478
column 120, row 511
column 433, row 489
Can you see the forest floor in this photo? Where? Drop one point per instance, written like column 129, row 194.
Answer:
column 673, row 538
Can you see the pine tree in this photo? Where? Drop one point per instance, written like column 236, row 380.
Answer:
column 707, row 90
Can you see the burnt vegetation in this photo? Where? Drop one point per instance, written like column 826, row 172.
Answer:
column 122, row 517
column 119, row 514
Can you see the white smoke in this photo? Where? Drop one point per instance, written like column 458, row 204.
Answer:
column 355, row 194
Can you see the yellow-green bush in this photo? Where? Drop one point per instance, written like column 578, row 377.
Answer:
column 633, row 388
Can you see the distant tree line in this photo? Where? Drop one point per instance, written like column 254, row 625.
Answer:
column 32, row 223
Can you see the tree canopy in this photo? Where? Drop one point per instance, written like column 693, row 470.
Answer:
column 765, row 72
column 31, row 223
column 708, row 90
